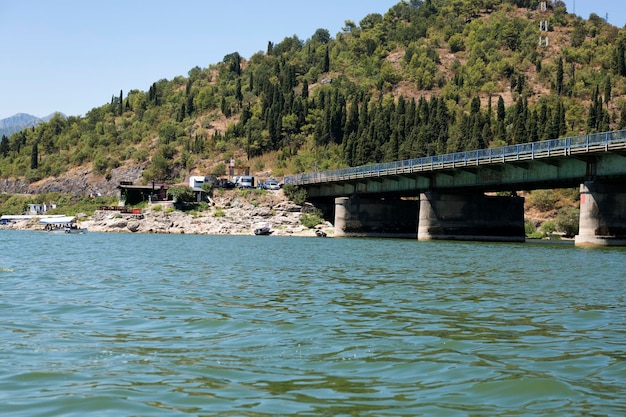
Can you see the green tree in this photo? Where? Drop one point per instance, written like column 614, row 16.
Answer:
column 34, row 156
column 559, row 76
column 322, row 36
column 607, row 89
column 181, row 193
column 622, row 118
column 238, row 93
column 620, row 60
column 567, row 221
column 326, row 66
column 4, row 146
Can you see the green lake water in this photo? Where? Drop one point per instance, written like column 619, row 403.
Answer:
column 180, row 325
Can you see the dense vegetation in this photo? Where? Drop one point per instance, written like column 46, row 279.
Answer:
column 428, row 77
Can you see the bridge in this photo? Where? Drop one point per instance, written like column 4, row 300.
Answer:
column 453, row 196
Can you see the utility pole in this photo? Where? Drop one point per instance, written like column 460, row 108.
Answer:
column 543, row 25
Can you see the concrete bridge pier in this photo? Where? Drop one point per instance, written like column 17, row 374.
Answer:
column 602, row 214
column 375, row 217
column 471, row 216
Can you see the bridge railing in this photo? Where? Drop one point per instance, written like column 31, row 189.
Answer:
column 593, row 142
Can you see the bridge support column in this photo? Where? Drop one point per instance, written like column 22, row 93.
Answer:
column 374, row 217
column 602, row 214
column 471, row 216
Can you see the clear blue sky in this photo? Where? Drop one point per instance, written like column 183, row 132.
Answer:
column 616, row 9
column 73, row 55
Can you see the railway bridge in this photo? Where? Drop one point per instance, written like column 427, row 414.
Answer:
column 473, row 195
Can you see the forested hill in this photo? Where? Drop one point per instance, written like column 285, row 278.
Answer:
column 428, row 77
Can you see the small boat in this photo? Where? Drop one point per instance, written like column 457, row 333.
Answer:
column 263, row 229
column 62, row 224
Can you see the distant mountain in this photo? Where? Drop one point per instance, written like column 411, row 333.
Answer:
column 20, row 122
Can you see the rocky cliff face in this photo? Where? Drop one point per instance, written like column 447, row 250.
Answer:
column 81, row 181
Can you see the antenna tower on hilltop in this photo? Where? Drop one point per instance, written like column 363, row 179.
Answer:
column 543, row 25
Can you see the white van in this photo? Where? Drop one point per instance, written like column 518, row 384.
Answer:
column 245, row 181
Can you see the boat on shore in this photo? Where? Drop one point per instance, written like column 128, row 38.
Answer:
column 263, row 229
column 64, row 224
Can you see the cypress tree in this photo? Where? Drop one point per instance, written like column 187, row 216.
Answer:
column 34, row 156
column 561, row 119
column 620, row 60
column 326, row 67
column 559, row 76
column 500, row 129
column 439, row 123
column 501, row 113
column 409, row 117
column 622, row 118
column 238, row 93
column 475, row 107
column 190, row 106
column 532, row 128
column 4, row 146
column 607, row 89
column 605, row 122
column 352, row 119
column 400, row 118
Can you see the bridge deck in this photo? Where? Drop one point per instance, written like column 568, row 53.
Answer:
column 554, row 148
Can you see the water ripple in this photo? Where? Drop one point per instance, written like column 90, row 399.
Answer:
column 158, row 325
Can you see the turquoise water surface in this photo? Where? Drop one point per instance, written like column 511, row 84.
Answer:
column 180, row 325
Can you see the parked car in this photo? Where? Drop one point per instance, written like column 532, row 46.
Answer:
column 245, row 181
column 223, row 183
column 271, row 184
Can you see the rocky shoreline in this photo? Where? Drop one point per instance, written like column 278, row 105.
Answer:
column 230, row 213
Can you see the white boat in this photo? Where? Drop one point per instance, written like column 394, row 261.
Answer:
column 263, row 229
column 62, row 224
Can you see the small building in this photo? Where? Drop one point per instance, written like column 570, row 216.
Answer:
column 133, row 194
column 34, row 209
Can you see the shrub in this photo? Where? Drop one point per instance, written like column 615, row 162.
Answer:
column 529, row 228
column 181, row 193
column 14, row 204
column 100, row 164
column 535, row 235
column 543, row 200
column 310, row 220
column 219, row 170
column 202, row 206
column 219, row 213
column 456, row 43
column 567, row 221
column 548, row 227
column 295, row 194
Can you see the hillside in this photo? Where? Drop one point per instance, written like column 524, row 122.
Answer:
column 427, row 77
